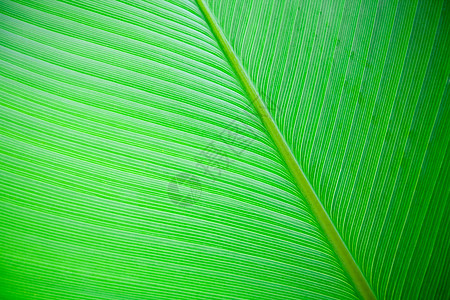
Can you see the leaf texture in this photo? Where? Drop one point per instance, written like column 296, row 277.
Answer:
column 135, row 166
column 360, row 90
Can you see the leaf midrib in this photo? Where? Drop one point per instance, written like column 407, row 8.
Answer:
column 301, row 180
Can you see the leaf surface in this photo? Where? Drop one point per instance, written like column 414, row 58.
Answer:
column 134, row 164
column 360, row 91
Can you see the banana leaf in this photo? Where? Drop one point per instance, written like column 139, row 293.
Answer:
column 224, row 149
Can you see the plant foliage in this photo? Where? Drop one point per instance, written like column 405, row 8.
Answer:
column 134, row 164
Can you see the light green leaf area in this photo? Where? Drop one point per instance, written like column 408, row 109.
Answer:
column 134, row 164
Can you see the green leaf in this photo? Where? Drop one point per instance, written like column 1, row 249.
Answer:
column 230, row 149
